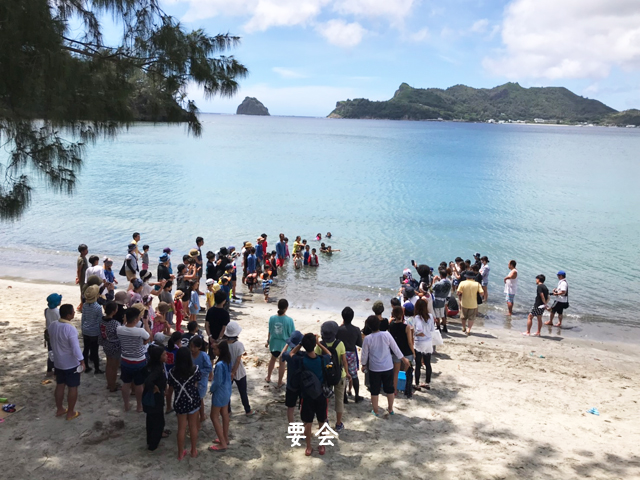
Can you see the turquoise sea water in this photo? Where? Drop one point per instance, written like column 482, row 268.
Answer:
column 550, row 197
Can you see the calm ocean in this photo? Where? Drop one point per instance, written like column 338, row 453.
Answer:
column 549, row 197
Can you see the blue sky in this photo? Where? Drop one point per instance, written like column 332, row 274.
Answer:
column 304, row 55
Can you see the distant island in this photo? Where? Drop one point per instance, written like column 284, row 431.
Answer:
column 505, row 103
column 252, row 106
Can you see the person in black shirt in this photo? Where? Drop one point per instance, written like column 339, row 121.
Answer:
column 155, row 385
column 217, row 317
column 539, row 305
column 163, row 268
column 352, row 338
column 403, row 335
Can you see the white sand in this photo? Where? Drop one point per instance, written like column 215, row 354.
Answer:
column 495, row 411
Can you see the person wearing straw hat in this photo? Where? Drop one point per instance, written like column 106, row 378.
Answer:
column 91, row 318
column 238, row 372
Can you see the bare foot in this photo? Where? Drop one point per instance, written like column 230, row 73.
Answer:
column 127, row 407
column 526, row 334
column 182, row 455
column 267, row 379
column 558, row 325
column 194, row 453
column 59, row 413
column 537, row 334
column 547, row 322
column 139, row 409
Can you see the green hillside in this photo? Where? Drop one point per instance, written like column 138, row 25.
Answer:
column 627, row 117
column 505, row 102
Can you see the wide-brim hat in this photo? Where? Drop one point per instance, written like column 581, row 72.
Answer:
column 233, row 329
column 120, row 297
column 91, row 294
column 294, row 340
column 193, row 252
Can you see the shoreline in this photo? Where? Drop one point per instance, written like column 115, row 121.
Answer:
column 501, row 406
column 492, row 317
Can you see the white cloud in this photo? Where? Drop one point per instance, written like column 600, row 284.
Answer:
column 340, row 33
column 287, row 73
column 480, row 26
column 420, row 35
column 264, row 14
column 397, row 9
column 568, row 39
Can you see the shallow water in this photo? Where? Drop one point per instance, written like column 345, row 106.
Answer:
column 551, row 198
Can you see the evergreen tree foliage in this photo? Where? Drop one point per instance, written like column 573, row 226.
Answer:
column 61, row 89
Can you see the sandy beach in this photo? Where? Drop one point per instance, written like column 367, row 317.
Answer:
column 502, row 406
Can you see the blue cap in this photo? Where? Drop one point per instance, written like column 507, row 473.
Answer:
column 136, row 282
column 562, row 272
column 409, row 307
column 295, row 339
column 163, row 258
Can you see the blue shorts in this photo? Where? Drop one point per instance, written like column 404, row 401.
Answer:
column 193, row 310
column 70, row 377
column 132, row 372
column 202, row 390
column 510, row 297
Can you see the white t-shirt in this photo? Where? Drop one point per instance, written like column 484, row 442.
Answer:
column 484, row 271
column 511, row 285
column 146, row 289
column 563, row 286
column 237, row 349
column 97, row 270
column 423, row 344
column 51, row 315
column 132, row 342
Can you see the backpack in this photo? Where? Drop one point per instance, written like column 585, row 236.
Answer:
column 332, row 371
column 123, row 272
column 308, row 383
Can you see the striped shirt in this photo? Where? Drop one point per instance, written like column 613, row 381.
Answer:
column 132, row 343
column 91, row 318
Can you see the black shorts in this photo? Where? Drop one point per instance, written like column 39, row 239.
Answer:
column 70, row 377
column 133, row 372
column 559, row 307
column 276, row 353
column 314, row 408
column 291, row 398
column 376, row 379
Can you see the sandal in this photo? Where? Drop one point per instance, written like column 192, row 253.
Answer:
column 215, row 448
column 308, row 451
column 321, row 450
column 166, row 433
column 184, row 454
column 75, row 415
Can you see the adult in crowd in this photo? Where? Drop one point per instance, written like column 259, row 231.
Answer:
column 539, row 305
column 351, row 336
column 131, row 262
column 51, row 314
column 561, row 292
column 484, row 271
column 91, row 319
column 217, row 317
column 511, row 285
column 133, row 355
column 82, row 266
column 468, row 292
column 376, row 358
column 441, row 290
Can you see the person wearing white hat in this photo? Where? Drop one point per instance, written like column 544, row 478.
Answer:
column 238, row 372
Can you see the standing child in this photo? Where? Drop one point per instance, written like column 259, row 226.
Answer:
column 179, row 309
column 220, row 396
column 51, row 314
column 160, row 323
column 225, row 286
column 297, row 261
column 155, row 384
column 110, row 344
column 110, row 278
column 184, row 378
column 212, row 288
column 313, row 258
column 91, row 317
column 194, row 302
column 238, row 373
column 203, row 362
column 251, row 265
column 173, row 345
column 145, row 257
column 266, row 285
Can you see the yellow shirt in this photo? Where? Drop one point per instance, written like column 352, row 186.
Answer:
column 470, row 290
column 340, row 350
column 211, row 295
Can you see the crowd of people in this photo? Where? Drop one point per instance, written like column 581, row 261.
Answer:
column 169, row 369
